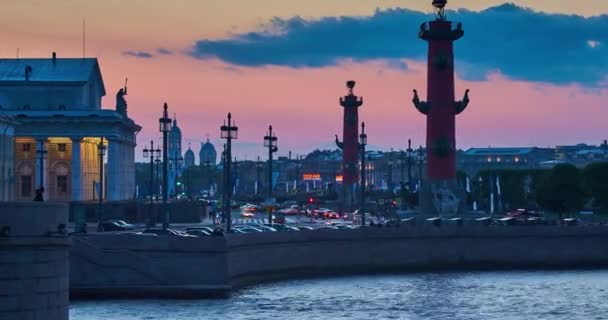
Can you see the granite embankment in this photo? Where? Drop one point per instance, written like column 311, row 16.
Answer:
column 111, row 266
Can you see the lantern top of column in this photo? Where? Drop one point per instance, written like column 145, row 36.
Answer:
column 440, row 8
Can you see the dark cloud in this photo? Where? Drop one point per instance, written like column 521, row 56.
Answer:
column 138, row 54
column 520, row 43
column 164, row 51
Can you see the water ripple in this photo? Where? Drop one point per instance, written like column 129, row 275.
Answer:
column 556, row 295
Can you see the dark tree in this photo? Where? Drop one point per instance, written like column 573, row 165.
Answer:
column 596, row 179
column 562, row 191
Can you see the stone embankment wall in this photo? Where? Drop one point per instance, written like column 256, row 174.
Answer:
column 34, row 261
column 131, row 265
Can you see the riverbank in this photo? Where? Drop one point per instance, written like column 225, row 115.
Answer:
column 128, row 266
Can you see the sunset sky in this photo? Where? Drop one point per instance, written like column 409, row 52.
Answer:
column 537, row 69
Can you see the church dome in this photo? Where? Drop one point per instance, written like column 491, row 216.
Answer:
column 175, row 129
column 189, row 158
column 207, row 153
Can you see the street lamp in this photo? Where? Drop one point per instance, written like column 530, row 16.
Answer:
column 41, row 152
column 297, row 188
column 164, row 127
column 362, row 144
column 390, row 171
column 101, row 151
column 409, row 164
column 420, row 163
column 258, row 172
column 157, row 175
column 270, row 142
column 236, row 179
column 228, row 131
column 152, row 154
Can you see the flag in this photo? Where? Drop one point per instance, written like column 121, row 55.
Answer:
column 492, row 202
column 295, row 185
column 474, row 205
column 307, row 187
column 286, row 187
column 314, row 184
column 468, row 185
column 255, row 187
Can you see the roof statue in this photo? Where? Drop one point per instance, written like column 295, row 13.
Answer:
column 121, row 102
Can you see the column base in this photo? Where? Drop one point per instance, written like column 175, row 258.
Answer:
column 442, row 198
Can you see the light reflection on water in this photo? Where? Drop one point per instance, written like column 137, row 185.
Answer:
column 570, row 295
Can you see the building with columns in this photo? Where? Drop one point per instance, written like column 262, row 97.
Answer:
column 56, row 104
column 7, row 153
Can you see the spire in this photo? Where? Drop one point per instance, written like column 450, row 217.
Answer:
column 174, row 120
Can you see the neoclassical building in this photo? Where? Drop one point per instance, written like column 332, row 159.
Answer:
column 60, row 125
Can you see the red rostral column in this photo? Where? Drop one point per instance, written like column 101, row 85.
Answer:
column 439, row 192
column 350, row 146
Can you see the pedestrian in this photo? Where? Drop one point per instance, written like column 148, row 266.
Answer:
column 39, row 194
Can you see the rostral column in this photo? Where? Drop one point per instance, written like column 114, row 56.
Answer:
column 439, row 194
column 350, row 147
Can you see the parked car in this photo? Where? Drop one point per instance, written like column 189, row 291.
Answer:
column 163, row 232
column 198, row 232
column 122, row 223
column 114, row 226
column 247, row 229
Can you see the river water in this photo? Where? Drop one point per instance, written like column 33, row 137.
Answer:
column 570, row 295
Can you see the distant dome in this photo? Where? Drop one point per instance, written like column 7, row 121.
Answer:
column 208, row 146
column 207, row 153
column 189, row 158
column 175, row 128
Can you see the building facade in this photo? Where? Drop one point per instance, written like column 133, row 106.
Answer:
column 61, row 127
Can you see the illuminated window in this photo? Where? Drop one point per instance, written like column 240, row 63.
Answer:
column 61, row 147
column 516, row 159
column 489, row 159
column 498, row 159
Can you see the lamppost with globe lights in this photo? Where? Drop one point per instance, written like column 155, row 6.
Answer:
column 270, row 142
column 362, row 144
column 409, row 164
column 157, row 177
column 101, row 151
column 228, row 131
column 164, row 127
column 420, row 163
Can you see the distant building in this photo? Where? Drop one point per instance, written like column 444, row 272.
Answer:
column 581, row 154
column 207, row 155
column 7, row 154
column 189, row 158
column 476, row 159
column 57, row 104
column 174, row 152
